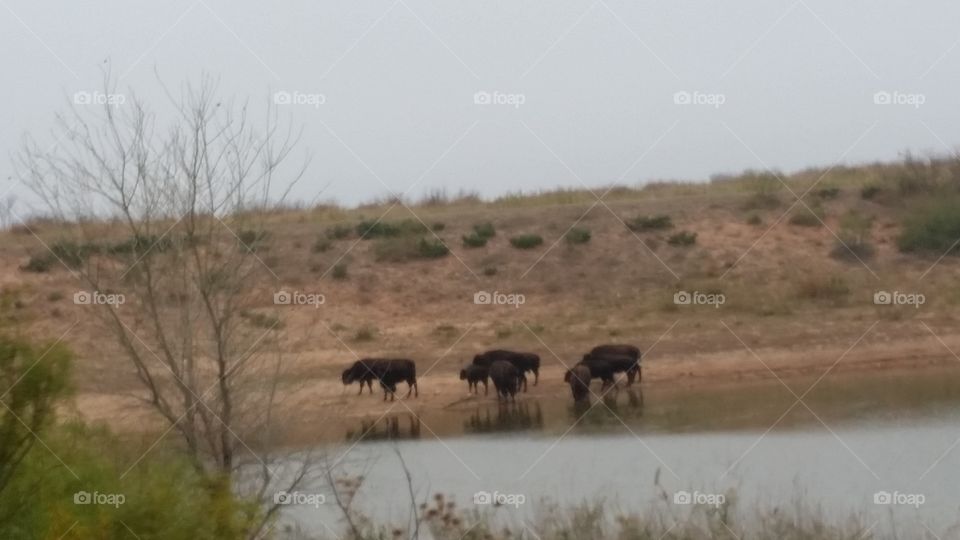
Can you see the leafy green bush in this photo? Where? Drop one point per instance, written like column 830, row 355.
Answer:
column 340, row 271
column 683, row 238
column 526, row 241
column 577, row 235
column 650, row 223
column 321, row 245
column 869, row 192
column 438, row 226
column 432, row 249
column 485, row 230
column 409, row 248
column 932, row 227
column 754, row 219
column 380, row 229
column 490, row 271
column 828, row 193
column 67, row 252
column 474, row 240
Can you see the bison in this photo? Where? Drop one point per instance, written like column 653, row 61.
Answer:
column 579, row 379
column 623, row 358
column 388, row 371
column 475, row 375
column 524, row 362
column 506, row 378
column 598, row 370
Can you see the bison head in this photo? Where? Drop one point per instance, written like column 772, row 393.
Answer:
column 348, row 376
column 463, row 374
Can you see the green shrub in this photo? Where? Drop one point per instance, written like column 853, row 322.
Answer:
column 577, row 235
column 262, row 320
column 438, row 226
column 380, row 229
column 365, row 333
column 141, row 244
column 339, row 232
column 682, row 238
column 432, row 249
column 340, row 271
column 932, row 227
column 828, row 193
column 754, row 219
column 485, row 230
column 831, row 288
column 39, row 263
column 474, row 240
column 650, row 223
column 67, row 252
column 526, row 241
column 251, row 240
column 490, row 271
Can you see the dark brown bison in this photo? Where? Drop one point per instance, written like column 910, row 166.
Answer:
column 579, row 379
column 474, row 375
column 388, row 371
column 598, row 370
column 506, row 379
column 524, row 362
column 622, row 358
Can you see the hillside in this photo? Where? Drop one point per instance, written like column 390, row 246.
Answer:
column 795, row 299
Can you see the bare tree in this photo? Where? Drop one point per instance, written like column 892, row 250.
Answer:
column 184, row 203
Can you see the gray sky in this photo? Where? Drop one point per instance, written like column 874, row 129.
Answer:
column 588, row 88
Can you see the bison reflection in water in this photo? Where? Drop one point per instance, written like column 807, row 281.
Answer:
column 505, row 417
column 610, row 410
column 387, row 428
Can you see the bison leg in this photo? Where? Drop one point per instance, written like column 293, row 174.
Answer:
column 486, row 388
column 536, row 377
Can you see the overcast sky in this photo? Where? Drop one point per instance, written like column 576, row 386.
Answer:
column 498, row 96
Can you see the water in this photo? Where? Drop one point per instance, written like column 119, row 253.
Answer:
column 851, row 438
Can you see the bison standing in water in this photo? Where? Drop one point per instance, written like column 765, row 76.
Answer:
column 524, row 362
column 506, row 379
column 621, row 358
column 388, row 371
column 474, row 375
column 579, row 379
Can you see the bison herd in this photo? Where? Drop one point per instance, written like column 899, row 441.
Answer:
column 507, row 369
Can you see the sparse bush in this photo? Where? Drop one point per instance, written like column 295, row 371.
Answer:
column 474, row 240
column 870, row 192
column 832, row 288
column 339, row 232
column 438, row 226
column 854, row 241
column 251, row 240
column 682, row 239
column 67, row 252
column 577, row 235
column 754, row 219
column 490, row 271
column 932, row 227
column 807, row 216
column 405, row 249
column 39, row 263
column 339, row 271
column 321, row 245
column 526, row 241
column 365, row 333
column 381, row 229
column 650, row 223
column 828, row 193
column 262, row 320
column 485, row 230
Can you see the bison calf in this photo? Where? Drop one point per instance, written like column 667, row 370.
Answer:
column 475, row 375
